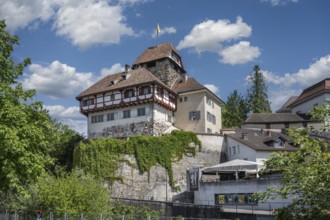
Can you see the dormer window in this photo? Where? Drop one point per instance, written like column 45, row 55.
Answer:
column 278, row 143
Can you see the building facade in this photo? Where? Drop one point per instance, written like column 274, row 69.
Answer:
column 256, row 145
column 150, row 98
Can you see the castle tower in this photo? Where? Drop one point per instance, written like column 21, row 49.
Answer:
column 164, row 62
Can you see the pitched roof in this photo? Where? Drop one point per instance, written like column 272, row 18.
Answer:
column 134, row 77
column 188, row 85
column 261, row 118
column 191, row 85
column 156, row 52
column 285, row 108
column 312, row 91
column 258, row 139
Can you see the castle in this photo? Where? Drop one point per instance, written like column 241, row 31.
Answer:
column 153, row 97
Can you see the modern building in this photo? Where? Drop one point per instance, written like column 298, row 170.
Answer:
column 155, row 96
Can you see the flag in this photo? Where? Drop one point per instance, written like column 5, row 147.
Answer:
column 157, row 29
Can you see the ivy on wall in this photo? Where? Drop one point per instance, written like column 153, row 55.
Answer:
column 102, row 157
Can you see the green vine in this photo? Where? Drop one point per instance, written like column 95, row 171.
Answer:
column 102, row 157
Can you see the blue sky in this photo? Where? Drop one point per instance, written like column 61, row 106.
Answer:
column 73, row 43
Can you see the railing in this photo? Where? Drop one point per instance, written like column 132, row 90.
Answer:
column 65, row 216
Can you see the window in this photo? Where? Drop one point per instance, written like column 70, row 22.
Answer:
column 195, row 115
column 97, row 119
column 267, row 125
column 168, row 118
column 286, row 125
column 129, row 93
column 180, row 99
column 185, row 98
column 237, row 149
column 234, row 150
column 240, row 198
column 141, row 111
column 159, row 91
column 88, row 102
column 127, row 113
column 144, row 90
column 111, row 116
column 151, row 64
column 278, row 143
column 210, row 117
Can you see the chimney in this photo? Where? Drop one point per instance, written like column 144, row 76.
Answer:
column 184, row 78
column 126, row 68
column 244, row 136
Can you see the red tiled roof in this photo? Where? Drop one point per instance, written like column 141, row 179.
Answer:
column 135, row 77
column 312, row 91
column 191, row 85
column 156, row 52
column 187, row 86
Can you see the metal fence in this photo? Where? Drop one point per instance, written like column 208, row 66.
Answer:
column 15, row 215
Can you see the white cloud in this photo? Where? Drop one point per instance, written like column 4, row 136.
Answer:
column 60, row 112
column 165, row 30
column 85, row 23
column 57, row 80
column 208, row 35
column 279, row 2
column 213, row 88
column 133, row 2
column 21, row 13
column 91, row 22
column 115, row 68
column 316, row 72
column 279, row 95
column 69, row 116
column 239, row 53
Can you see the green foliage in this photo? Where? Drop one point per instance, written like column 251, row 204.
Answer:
column 25, row 128
column 234, row 111
column 102, row 157
column 61, row 147
column 72, row 193
column 257, row 98
column 306, row 177
column 322, row 113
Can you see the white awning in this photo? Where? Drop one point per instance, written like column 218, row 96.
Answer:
column 233, row 165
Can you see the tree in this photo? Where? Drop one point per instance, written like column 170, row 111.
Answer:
column 306, row 175
column 63, row 146
column 234, row 111
column 72, row 193
column 25, row 127
column 257, row 98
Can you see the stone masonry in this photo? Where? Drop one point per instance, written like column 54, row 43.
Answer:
column 137, row 185
column 165, row 71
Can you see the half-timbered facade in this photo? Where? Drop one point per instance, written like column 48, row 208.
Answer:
column 128, row 103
